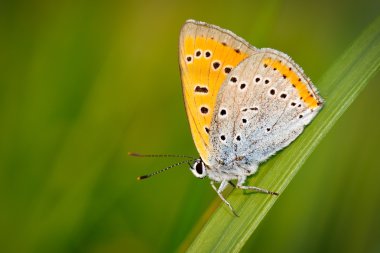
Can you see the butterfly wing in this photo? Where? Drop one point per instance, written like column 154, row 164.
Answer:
column 207, row 54
column 273, row 101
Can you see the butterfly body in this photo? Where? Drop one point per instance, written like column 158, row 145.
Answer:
column 243, row 104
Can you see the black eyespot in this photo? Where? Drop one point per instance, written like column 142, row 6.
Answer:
column 201, row 89
column 244, row 121
column 198, row 53
column 223, row 112
column 238, row 138
column 223, row 138
column 257, row 79
column 265, row 65
column 300, row 116
column 233, row 79
column 188, row 58
column 272, row 92
column 268, row 129
column 207, row 130
column 227, row 70
column 283, row 95
column 199, row 168
column 242, row 86
column 266, row 81
column 293, row 104
column 216, row 65
column 204, row 110
column 207, row 54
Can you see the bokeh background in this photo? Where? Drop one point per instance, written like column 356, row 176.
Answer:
column 84, row 82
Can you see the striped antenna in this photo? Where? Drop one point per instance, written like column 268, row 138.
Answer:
column 164, row 169
column 160, row 155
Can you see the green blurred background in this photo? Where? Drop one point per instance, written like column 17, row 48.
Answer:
column 84, row 82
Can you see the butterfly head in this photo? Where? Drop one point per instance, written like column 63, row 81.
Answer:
column 199, row 169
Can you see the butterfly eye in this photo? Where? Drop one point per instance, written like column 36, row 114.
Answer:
column 199, row 169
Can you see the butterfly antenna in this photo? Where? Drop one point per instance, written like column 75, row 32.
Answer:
column 162, row 170
column 161, row 155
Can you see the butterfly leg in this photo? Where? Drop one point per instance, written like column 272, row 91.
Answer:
column 219, row 191
column 240, row 185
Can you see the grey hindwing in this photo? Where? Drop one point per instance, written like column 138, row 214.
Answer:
column 258, row 112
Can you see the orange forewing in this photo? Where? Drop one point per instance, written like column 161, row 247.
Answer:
column 207, row 55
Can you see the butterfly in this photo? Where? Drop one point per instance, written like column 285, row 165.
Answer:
column 243, row 104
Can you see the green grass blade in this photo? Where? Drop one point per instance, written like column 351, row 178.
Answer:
column 339, row 86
